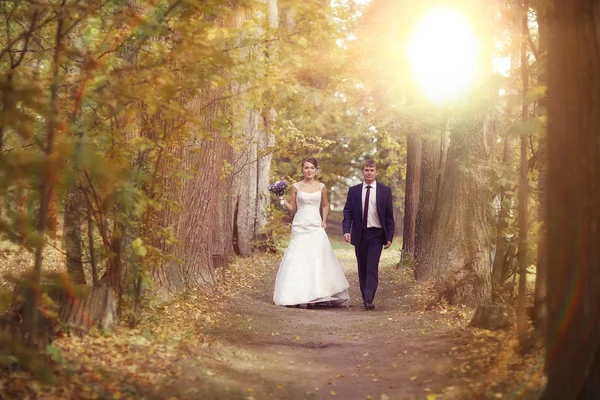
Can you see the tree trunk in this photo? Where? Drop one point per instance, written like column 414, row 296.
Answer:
column 434, row 145
column 573, row 201
column 113, row 277
column 72, row 234
column 411, row 195
column 458, row 254
column 539, row 305
column 96, row 309
column 46, row 191
column 267, row 137
column 246, row 183
column 501, row 266
column 265, row 142
column 201, row 225
column 523, row 187
column 91, row 246
column 493, row 317
column 253, row 160
column 77, row 311
column 202, row 221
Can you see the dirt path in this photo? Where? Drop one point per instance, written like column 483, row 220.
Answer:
column 236, row 345
column 268, row 352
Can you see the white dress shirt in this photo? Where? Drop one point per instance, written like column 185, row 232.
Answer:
column 372, row 218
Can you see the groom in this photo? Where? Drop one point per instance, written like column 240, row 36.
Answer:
column 369, row 226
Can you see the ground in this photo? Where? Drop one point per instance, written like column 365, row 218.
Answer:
column 397, row 351
column 234, row 343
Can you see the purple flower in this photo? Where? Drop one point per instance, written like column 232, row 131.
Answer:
column 278, row 187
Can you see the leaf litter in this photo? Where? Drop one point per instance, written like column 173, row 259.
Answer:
column 219, row 344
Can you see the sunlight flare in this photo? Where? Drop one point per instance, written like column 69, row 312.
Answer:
column 444, row 52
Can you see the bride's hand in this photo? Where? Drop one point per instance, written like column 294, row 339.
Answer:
column 324, row 224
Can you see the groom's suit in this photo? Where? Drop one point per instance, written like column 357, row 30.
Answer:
column 368, row 241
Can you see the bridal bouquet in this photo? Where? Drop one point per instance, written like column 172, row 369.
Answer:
column 278, row 188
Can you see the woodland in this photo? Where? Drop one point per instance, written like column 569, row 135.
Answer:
column 139, row 241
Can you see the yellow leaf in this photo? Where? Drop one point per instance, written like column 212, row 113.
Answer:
column 431, row 396
column 413, row 378
column 297, row 337
column 332, row 392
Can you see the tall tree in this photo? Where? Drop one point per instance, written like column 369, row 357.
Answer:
column 523, row 183
column 433, row 159
column 73, row 218
column 458, row 254
column 540, row 305
column 252, row 158
column 413, row 188
column 573, row 200
column 504, row 252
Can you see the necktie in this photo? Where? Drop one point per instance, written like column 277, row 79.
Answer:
column 366, row 211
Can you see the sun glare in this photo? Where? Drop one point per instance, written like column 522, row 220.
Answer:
column 443, row 53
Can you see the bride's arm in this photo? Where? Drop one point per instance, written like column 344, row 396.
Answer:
column 324, row 206
column 291, row 205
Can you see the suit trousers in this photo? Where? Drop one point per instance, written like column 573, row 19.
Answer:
column 368, row 253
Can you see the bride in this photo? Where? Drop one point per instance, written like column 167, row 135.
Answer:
column 309, row 272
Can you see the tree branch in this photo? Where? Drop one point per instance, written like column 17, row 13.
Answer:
column 10, row 44
column 532, row 46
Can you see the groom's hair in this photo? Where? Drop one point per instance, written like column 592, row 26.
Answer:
column 369, row 163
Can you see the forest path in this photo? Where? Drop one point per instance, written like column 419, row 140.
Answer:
column 264, row 351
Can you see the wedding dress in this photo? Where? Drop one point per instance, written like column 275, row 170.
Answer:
column 309, row 272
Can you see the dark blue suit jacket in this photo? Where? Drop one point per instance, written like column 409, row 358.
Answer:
column 353, row 214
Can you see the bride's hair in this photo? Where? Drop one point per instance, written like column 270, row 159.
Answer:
column 311, row 160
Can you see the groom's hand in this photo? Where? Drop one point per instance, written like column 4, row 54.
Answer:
column 387, row 245
column 347, row 237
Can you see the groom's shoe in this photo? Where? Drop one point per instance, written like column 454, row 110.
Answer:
column 369, row 305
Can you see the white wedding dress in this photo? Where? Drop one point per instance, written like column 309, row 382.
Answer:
column 309, row 272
